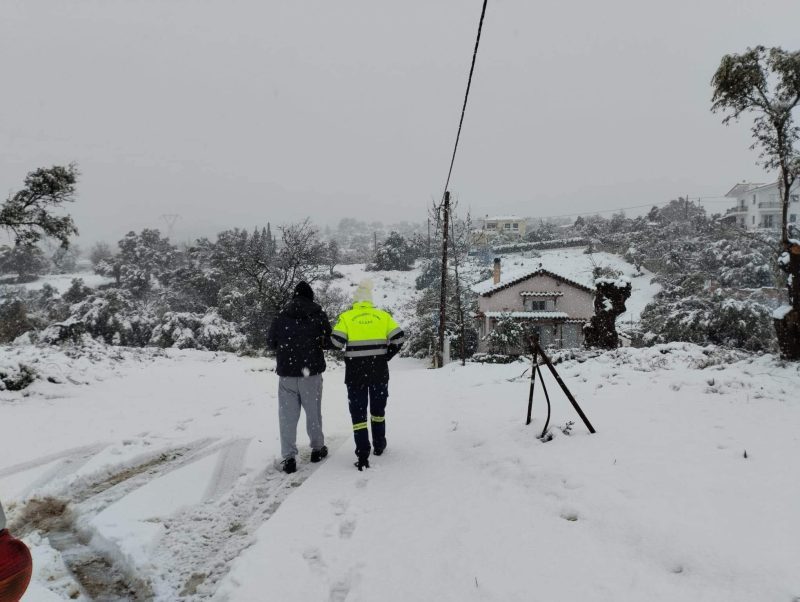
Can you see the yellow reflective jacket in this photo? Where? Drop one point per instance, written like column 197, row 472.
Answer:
column 370, row 337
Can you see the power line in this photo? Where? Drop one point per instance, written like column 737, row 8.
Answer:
column 466, row 96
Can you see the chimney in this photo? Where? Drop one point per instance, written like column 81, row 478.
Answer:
column 496, row 271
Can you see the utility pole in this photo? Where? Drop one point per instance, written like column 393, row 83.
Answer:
column 459, row 307
column 443, row 298
column 429, row 237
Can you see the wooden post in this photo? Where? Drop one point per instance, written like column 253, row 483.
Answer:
column 443, row 296
column 534, row 365
column 794, row 270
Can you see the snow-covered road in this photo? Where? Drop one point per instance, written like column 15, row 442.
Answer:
column 165, row 461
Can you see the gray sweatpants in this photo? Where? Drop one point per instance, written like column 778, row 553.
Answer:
column 294, row 393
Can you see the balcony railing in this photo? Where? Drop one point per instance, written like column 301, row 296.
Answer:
column 769, row 205
column 736, row 210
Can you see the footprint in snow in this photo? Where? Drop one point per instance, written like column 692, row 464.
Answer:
column 341, row 589
column 339, row 506
column 347, row 528
column 313, row 557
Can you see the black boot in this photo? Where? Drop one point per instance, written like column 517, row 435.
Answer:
column 363, row 462
column 289, row 466
column 318, row 454
column 379, row 448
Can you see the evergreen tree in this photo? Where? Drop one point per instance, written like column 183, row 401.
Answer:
column 28, row 213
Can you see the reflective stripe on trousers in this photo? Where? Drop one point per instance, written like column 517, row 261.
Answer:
column 364, row 400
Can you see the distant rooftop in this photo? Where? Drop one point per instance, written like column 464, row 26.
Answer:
column 503, row 218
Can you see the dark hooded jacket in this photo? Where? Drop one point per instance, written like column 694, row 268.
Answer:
column 298, row 334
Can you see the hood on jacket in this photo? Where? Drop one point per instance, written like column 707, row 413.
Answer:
column 363, row 292
column 300, row 307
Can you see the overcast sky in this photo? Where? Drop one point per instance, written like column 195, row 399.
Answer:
column 239, row 112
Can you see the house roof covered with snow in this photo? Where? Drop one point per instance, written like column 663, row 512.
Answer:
column 742, row 187
column 488, row 287
column 502, row 218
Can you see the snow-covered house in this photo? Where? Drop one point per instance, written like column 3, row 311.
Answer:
column 759, row 205
column 555, row 306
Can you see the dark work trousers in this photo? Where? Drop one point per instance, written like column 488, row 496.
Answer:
column 372, row 397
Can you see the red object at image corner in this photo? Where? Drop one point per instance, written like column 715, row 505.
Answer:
column 16, row 567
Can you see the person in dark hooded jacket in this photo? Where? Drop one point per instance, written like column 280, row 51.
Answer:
column 298, row 335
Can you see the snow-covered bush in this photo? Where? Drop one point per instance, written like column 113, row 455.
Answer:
column 709, row 318
column 112, row 316
column 197, row 331
column 14, row 320
column 492, row 358
column 508, row 336
column 77, row 292
column 16, row 378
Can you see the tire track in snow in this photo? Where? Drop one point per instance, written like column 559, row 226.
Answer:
column 66, row 455
column 100, row 576
column 200, row 543
column 67, row 466
column 228, row 469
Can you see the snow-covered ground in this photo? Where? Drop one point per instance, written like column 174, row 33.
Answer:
column 688, row 491
column 61, row 282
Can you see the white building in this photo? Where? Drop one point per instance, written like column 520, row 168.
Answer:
column 510, row 225
column 759, row 205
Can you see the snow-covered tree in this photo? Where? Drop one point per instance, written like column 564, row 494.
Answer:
column 766, row 83
column 27, row 261
column 100, row 252
column 29, row 214
column 393, row 254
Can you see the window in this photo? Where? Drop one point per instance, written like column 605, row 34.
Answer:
column 793, row 218
column 754, row 199
column 515, row 226
column 754, row 220
column 491, row 226
column 795, row 198
column 508, row 226
column 536, row 304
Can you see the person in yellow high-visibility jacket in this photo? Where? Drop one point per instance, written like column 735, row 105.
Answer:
column 370, row 338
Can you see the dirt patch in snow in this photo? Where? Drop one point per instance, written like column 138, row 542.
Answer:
column 97, row 575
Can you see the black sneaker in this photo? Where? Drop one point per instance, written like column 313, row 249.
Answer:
column 379, row 449
column 363, row 462
column 318, row 454
column 289, row 466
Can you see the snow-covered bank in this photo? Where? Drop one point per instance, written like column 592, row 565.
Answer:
column 167, row 462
